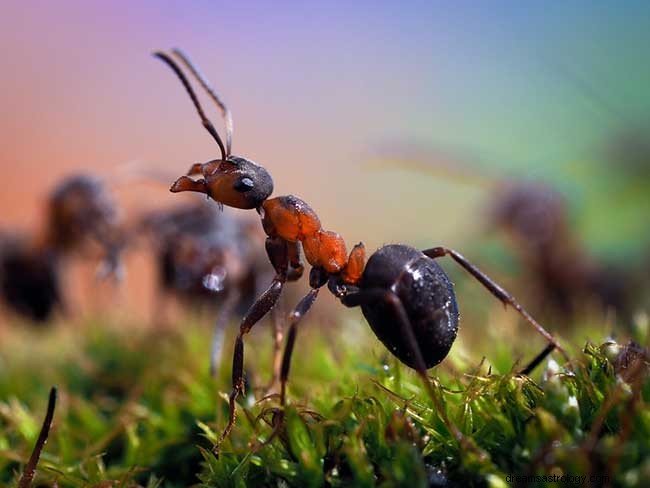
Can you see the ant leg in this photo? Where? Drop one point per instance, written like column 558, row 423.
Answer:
column 276, row 249
column 296, row 266
column 294, row 319
column 375, row 295
column 537, row 360
column 227, row 308
column 496, row 290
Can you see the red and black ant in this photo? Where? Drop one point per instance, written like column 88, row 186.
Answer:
column 79, row 211
column 406, row 297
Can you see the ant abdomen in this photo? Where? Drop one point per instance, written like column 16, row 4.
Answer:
column 427, row 296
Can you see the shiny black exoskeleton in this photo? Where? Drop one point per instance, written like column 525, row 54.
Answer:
column 427, row 296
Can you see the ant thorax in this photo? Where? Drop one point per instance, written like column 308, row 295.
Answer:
column 293, row 220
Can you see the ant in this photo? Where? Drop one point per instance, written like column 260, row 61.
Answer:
column 534, row 220
column 78, row 211
column 202, row 255
column 404, row 294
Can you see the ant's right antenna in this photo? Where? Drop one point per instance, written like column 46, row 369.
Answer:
column 225, row 111
column 206, row 122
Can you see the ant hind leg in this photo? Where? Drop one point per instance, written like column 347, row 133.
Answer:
column 505, row 297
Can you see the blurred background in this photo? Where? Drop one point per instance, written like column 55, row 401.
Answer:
column 396, row 122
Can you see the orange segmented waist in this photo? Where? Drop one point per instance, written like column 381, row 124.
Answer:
column 292, row 219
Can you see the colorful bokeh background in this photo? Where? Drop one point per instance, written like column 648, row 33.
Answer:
column 530, row 89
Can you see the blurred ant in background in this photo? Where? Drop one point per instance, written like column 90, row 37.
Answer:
column 403, row 293
column 208, row 259
column 80, row 214
column 535, row 220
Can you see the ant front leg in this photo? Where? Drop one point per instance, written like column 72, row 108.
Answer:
column 277, row 251
column 505, row 298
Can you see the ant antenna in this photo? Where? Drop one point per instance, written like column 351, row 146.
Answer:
column 225, row 111
column 206, row 122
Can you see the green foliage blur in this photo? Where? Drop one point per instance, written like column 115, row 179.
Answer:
column 137, row 407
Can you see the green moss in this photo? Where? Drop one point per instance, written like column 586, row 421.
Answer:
column 139, row 408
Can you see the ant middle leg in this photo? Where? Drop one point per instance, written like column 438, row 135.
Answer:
column 277, row 251
column 294, row 319
column 317, row 278
column 505, row 297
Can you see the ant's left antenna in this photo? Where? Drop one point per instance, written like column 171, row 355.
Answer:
column 206, row 122
column 225, row 111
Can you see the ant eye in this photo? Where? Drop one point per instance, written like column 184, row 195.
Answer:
column 244, row 184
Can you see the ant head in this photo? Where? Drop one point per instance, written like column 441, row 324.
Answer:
column 236, row 182
column 232, row 181
column 240, row 183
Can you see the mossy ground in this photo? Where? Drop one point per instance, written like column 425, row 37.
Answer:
column 138, row 408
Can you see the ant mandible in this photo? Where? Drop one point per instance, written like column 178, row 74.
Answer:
column 403, row 293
